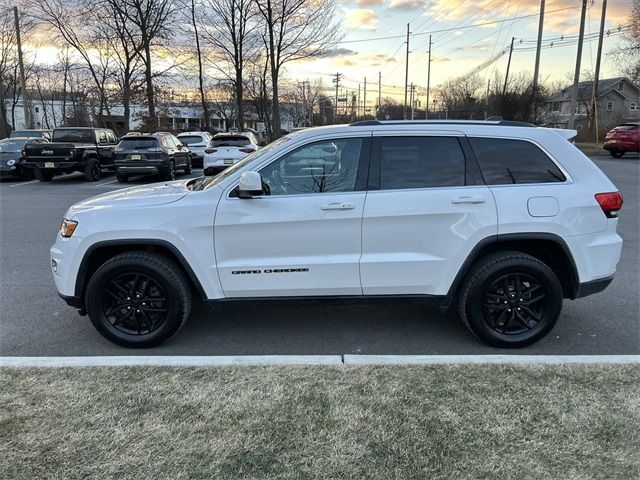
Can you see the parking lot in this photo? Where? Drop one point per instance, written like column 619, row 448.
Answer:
column 34, row 321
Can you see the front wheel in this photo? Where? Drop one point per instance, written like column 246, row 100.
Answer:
column 510, row 299
column 138, row 299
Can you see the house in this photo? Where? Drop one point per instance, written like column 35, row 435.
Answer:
column 618, row 101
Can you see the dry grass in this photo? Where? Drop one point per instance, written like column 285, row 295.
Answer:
column 431, row 422
column 592, row 149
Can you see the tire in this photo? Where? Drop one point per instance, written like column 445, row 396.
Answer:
column 113, row 308
column 92, row 170
column 122, row 178
column 43, row 175
column 616, row 153
column 510, row 299
column 187, row 168
column 170, row 171
column 26, row 174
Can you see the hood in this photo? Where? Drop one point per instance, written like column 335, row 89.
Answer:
column 140, row 196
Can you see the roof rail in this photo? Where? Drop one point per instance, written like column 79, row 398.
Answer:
column 503, row 123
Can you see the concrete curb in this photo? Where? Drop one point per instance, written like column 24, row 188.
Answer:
column 255, row 360
column 489, row 359
column 171, row 361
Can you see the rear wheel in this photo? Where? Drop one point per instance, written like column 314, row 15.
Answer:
column 43, row 175
column 92, row 170
column 510, row 299
column 170, row 173
column 138, row 299
column 187, row 168
column 616, row 153
column 122, row 178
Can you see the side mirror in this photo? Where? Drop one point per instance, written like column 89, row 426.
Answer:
column 250, row 185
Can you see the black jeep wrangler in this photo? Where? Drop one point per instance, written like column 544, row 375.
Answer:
column 72, row 149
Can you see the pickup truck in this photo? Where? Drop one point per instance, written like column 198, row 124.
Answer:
column 72, row 149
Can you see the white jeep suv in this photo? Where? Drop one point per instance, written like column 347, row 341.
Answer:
column 503, row 219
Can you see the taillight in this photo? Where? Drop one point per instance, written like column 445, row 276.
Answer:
column 23, row 152
column 247, row 150
column 72, row 153
column 210, row 150
column 610, row 203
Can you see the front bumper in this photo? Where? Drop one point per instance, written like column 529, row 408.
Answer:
column 9, row 172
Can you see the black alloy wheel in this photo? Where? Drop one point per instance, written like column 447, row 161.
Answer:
column 134, row 304
column 514, row 303
column 510, row 299
column 138, row 299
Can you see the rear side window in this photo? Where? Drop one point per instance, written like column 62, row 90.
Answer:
column 421, row 162
column 504, row 161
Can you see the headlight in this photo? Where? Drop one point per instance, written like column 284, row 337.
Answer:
column 11, row 162
column 68, row 227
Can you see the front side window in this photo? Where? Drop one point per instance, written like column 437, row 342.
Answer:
column 421, row 162
column 503, row 161
column 325, row 166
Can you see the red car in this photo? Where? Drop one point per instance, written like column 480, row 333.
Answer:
column 623, row 138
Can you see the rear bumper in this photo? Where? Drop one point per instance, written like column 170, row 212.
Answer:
column 57, row 165
column 594, row 286
column 140, row 168
column 620, row 146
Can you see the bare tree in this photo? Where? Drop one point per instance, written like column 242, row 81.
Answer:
column 259, row 91
column 627, row 55
column 295, row 29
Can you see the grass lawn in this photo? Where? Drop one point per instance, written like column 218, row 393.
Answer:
column 592, row 149
column 449, row 422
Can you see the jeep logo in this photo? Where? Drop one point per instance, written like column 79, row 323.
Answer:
column 47, row 152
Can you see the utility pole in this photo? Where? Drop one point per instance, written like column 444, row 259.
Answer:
column 486, row 105
column 365, row 98
column 426, row 112
column 506, row 75
column 576, row 77
column 536, row 68
column 358, row 104
column 336, row 80
column 23, row 81
column 380, row 94
column 413, row 89
column 305, row 98
column 596, row 76
column 406, row 76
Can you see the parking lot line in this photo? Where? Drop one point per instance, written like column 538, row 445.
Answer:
column 105, row 183
column 23, row 183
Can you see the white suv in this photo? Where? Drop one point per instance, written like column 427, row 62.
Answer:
column 501, row 218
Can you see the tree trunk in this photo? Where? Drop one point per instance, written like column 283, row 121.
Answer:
column 203, row 100
column 149, row 81
column 239, row 100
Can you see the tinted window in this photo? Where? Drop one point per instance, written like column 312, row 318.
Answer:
column 230, row 141
column 420, row 162
column 102, row 137
column 327, row 166
column 74, row 136
column 505, row 161
column 11, row 146
column 27, row 133
column 190, row 139
column 111, row 138
column 137, row 143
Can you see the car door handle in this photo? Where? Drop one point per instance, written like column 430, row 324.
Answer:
column 467, row 199
column 338, row 206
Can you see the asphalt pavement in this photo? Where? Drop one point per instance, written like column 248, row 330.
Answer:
column 35, row 322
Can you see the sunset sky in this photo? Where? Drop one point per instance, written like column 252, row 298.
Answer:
column 460, row 50
column 366, row 48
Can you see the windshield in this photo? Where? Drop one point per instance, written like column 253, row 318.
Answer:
column 230, row 141
column 11, row 146
column 626, row 127
column 202, row 183
column 190, row 139
column 137, row 143
column 74, row 136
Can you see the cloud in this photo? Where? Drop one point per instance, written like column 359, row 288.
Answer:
column 360, row 19
column 366, row 60
column 406, row 4
column 369, row 3
column 338, row 52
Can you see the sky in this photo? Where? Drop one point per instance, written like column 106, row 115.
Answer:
column 365, row 49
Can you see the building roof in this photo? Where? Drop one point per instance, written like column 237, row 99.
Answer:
column 585, row 88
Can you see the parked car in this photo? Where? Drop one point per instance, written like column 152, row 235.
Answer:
column 31, row 133
column 156, row 154
column 501, row 220
column 73, row 149
column 11, row 157
column 225, row 149
column 197, row 143
column 623, row 138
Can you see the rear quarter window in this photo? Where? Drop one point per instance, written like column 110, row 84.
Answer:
column 505, row 161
